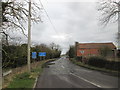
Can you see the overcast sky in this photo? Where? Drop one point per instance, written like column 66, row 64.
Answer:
column 72, row 21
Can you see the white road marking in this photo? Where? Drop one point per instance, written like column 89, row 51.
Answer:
column 86, row 80
column 83, row 70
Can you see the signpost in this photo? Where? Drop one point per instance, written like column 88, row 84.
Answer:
column 34, row 55
column 42, row 54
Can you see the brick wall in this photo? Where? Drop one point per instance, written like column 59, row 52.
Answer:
column 87, row 52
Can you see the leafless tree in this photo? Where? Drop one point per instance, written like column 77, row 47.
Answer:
column 15, row 14
column 109, row 10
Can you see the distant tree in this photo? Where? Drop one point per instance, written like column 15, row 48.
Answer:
column 52, row 52
column 105, row 51
column 71, row 52
column 16, row 55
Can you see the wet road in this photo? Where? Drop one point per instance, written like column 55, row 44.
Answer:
column 64, row 74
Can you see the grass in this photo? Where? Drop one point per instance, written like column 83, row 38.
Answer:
column 111, row 72
column 27, row 79
column 23, row 80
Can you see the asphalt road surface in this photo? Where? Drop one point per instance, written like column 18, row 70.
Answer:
column 64, row 74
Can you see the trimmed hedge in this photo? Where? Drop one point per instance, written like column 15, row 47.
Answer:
column 113, row 65
column 97, row 62
column 103, row 63
column 79, row 58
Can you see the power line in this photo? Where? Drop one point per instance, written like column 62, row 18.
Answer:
column 51, row 20
column 48, row 17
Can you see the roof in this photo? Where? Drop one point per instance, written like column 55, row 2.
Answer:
column 96, row 45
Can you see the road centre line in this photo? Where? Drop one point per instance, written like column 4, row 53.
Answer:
column 86, row 80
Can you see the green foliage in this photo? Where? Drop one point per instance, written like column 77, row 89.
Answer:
column 113, row 65
column 16, row 55
column 50, row 52
column 71, row 52
column 103, row 63
column 111, row 71
column 79, row 58
column 26, row 80
column 22, row 81
column 105, row 51
column 25, row 75
column 97, row 61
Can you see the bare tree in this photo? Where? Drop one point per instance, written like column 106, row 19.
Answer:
column 15, row 14
column 109, row 10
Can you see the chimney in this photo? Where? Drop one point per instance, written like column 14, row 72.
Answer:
column 76, row 47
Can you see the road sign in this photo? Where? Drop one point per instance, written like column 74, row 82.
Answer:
column 82, row 52
column 42, row 54
column 34, row 55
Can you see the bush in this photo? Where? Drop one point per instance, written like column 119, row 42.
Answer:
column 16, row 55
column 103, row 63
column 97, row 61
column 113, row 65
column 71, row 52
column 79, row 58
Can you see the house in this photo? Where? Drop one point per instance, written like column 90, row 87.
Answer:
column 93, row 49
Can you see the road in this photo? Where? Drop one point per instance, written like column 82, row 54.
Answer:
column 64, row 74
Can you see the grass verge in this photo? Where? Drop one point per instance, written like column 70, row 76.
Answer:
column 26, row 79
column 110, row 72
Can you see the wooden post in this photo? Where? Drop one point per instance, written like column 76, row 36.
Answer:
column 1, row 78
column 29, row 36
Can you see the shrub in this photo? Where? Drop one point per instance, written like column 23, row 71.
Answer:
column 113, row 65
column 97, row 61
column 103, row 63
column 79, row 58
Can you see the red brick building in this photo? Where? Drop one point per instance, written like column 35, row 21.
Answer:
column 88, row 49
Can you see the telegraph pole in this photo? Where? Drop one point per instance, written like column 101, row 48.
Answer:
column 29, row 36
column 1, row 78
column 119, row 25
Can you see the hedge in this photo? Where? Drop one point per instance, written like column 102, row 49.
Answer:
column 103, row 63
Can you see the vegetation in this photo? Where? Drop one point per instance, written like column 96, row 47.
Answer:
column 71, row 52
column 96, row 61
column 20, row 78
column 100, row 62
column 52, row 51
column 16, row 11
column 23, row 80
column 105, row 51
column 109, row 10
column 16, row 55
column 112, row 72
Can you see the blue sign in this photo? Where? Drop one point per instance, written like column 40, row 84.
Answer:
column 42, row 54
column 34, row 55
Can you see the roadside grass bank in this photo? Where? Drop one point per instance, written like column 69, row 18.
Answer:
column 104, row 70
column 21, row 78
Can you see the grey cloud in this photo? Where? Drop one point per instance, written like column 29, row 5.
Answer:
column 77, row 20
